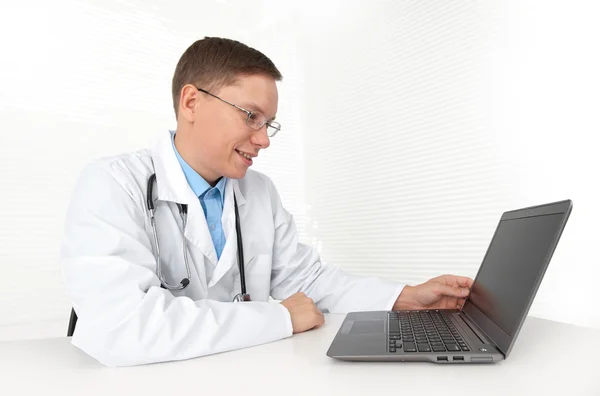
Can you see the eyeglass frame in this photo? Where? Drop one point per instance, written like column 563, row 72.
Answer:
column 250, row 114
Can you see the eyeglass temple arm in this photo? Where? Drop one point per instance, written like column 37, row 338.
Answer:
column 223, row 100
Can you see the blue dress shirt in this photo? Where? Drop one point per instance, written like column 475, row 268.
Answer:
column 211, row 199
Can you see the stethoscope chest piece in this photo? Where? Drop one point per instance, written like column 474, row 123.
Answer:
column 241, row 297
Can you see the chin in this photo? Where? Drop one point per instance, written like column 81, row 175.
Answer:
column 236, row 174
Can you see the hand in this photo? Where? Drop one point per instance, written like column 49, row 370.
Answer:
column 443, row 292
column 305, row 314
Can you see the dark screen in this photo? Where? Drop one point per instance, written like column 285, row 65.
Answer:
column 512, row 267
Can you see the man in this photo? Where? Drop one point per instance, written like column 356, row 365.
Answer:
column 150, row 288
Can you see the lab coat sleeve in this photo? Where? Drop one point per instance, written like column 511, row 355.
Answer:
column 125, row 318
column 297, row 267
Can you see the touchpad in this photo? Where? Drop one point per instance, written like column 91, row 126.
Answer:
column 368, row 327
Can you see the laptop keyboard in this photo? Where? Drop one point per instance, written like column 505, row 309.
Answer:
column 423, row 331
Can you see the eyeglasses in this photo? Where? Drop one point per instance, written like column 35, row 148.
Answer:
column 255, row 120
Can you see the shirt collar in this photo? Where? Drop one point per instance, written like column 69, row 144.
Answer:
column 197, row 183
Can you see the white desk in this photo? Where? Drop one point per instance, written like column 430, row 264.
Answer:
column 549, row 358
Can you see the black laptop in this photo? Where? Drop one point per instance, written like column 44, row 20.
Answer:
column 488, row 324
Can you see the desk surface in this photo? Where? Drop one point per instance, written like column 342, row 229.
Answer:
column 548, row 358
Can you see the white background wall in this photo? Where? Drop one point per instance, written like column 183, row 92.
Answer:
column 412, row 126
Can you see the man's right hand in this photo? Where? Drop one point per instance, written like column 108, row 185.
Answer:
column 305, row 314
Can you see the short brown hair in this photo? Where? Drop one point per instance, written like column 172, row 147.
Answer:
column 213, row 62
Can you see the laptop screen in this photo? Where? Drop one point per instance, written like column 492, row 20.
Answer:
column 512, row 267
column 512, row 270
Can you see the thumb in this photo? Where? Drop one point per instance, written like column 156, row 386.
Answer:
column 444, row 290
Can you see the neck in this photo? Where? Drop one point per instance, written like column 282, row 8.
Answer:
column 181, row 145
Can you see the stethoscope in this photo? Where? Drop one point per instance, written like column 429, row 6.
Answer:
column 243, row 296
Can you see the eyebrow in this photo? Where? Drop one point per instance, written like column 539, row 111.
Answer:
column 255, row 107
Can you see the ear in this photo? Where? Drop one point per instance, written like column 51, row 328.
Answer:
column 187, row 102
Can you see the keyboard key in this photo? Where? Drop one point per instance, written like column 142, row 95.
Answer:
column 410, row 347
column 392, row 350
column 465, row 348
column 452, row 347
column 437, row 348
column 393, row 326
column 424, row 348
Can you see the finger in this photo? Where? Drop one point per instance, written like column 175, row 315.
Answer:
column 318, row 320
column 463, row 281
column 443, row 290
column 297, row 296
column 318, row 311
column 291, row 302
column 454, row 280
column 460, row 303
column 321, row 320
column 309, row 304
column 319, row 316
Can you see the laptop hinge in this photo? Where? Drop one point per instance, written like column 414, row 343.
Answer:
column 483, row 337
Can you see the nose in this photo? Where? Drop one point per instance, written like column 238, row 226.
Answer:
column 260, row 138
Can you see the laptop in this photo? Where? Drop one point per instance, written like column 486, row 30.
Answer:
column 486, row 328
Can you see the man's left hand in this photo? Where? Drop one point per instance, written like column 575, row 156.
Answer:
column 443, row 292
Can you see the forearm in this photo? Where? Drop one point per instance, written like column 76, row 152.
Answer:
column 332, row 289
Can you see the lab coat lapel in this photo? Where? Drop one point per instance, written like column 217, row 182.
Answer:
column 172, row 186
column 229, row 256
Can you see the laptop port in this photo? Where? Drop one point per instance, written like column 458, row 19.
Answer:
column 442, row 358
column 458, row 358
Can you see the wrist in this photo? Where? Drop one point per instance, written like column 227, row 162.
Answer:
column 406, row 300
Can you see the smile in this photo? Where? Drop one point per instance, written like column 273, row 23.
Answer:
column 244, row 155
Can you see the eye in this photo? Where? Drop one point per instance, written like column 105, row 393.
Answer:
column 253, row 116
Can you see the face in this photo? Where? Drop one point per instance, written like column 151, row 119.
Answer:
column 212, row 135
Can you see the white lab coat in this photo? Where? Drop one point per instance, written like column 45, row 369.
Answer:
column 109, row 268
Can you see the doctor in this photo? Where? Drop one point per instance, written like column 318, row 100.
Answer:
column 150, row 290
